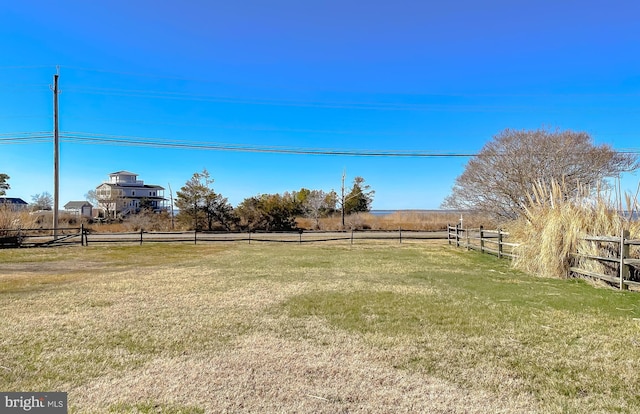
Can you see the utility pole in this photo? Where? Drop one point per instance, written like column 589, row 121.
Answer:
column 344, row 173
column 56, row 155
column 171, row 197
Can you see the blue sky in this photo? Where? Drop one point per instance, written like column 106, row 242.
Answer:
column 401, row 76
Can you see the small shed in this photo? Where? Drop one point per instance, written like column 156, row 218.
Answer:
column 79, row 208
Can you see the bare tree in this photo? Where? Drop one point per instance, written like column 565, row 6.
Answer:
column 109, row 199
column 316, row 204
column 91, row 197
column 42, row 201
column 498, row 180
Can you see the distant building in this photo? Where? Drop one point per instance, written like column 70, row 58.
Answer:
column 79, row 208
column 124, row 194
column 13, row 203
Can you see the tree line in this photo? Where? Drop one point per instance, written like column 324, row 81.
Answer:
column 202, row 208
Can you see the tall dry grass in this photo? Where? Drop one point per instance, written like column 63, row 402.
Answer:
column 405, row 220
column 555, row 221
column 15, row 220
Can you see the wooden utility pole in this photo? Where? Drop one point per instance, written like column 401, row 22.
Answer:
column 56, row 157
column 344, row 173
column 171, row 197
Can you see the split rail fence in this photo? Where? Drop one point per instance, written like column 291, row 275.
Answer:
column 81, row 236
column 622, row 263
column 485, row 241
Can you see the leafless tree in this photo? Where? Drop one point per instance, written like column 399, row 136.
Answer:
column 499, row 178
column 317, row 203
column 43, row 201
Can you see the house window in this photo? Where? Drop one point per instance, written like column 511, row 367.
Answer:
column 133, row 193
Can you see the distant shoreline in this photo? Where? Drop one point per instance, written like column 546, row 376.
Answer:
column 419, row 211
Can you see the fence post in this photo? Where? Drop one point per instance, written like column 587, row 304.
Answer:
column 140, row 236
column 449, row 234
column 81, row 234
column 457, row 234
column 195, row 236
column 624, row 253
column 249, row 236
column 467, row 231
column 351, row 236
column 481, row 239
column 400, row 235
column 499, row 243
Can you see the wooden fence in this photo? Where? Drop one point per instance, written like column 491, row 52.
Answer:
column 621, row 262
column 81, row 236
column 485, row 241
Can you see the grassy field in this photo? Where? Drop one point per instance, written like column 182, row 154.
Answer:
column 320, row 328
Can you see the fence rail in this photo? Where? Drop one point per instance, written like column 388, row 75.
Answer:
column 80, row 235
column 625, row 266
column 477, row 239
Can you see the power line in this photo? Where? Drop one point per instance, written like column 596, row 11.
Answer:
column 359, row 105
column 212, row 146
column 451, row 95
column 125, row 140
column 150, row 142
column 25, row 137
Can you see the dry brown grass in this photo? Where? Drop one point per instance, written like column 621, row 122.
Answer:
column 552, row 228
column 195, row 338
column 322, row 328
column 10, row 219
column 405, row 220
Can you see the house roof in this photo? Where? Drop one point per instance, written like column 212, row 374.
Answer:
column 123, row 172
column 12, row 200
column 77, row 205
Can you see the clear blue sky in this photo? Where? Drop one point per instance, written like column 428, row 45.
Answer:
column 394, row 76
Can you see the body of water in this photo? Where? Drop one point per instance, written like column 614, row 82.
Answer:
column 387, row 212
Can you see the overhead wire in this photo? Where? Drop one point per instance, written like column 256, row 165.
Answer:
column 122, row 140
column 215, row 146
column 155, row 142
column 358, row 105
column 25, row 137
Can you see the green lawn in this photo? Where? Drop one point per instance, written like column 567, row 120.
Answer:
column 374, row 327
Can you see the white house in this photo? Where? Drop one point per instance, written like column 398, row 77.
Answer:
column 124, row 194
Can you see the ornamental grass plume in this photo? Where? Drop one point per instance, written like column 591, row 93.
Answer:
column 555, row 220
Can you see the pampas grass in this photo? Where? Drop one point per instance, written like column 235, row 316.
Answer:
column 554, row 222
